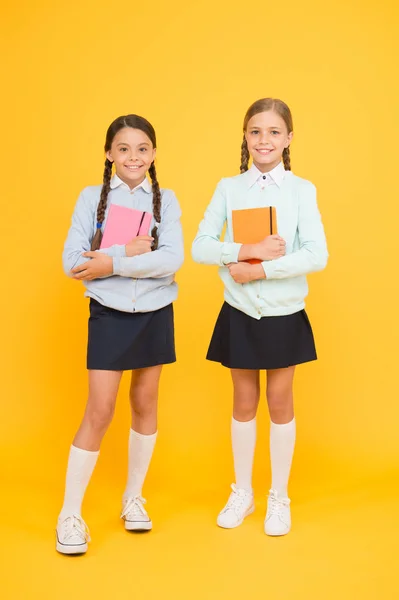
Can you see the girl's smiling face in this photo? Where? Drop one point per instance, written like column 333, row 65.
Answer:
column 132, row 154
column 267, row 137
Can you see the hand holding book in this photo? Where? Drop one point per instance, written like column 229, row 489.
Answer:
column 256, row 229
column 139, row 245
column 272, row 247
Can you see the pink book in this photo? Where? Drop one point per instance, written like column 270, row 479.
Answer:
column 123, row 224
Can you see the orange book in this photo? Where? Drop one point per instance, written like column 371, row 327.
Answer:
column 252, row 225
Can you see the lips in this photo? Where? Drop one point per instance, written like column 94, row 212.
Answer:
column 264, row 151
column 133, row 168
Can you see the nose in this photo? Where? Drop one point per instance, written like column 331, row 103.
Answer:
column 264, row 138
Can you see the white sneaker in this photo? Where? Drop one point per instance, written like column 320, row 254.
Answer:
column 278, row 516
column 135, row 515
column 240, row 504
column 72, row 535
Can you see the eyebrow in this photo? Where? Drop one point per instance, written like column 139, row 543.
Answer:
column 126, row 144
column 272, row 127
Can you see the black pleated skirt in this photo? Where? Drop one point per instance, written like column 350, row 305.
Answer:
column 121, row 341
column 241, row 342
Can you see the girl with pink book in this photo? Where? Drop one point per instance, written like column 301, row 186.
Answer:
column 125, row 244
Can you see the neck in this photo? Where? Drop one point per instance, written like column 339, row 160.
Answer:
column 267, row 168
column 130, row 183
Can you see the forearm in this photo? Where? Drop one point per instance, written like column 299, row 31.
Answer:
column 73, row 258
column 157, row 264
column 248, row 252
column 307, row 260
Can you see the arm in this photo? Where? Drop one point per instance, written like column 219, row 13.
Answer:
column 81, row 233
column 207, row 247
column 168, row 258
column 312, row 254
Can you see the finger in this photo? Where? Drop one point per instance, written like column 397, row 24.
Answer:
column 90, row 254
column 144, row 238
column 79, row 268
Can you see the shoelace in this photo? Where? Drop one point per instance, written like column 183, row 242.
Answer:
column 135, row 507
column 277, row 504
column 73, row 526
column 236, row 500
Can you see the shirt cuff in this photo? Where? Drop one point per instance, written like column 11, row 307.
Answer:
column 230, row 253
column 119, row 250
column 268, row 268
column 115, row 250
column 118, row 265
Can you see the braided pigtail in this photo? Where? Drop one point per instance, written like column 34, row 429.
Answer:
column 287, row 159
column 102, row 205
column 244, row 156
column 156, row 204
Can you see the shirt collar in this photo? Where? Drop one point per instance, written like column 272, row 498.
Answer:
column 117, row 182
column 276, row 175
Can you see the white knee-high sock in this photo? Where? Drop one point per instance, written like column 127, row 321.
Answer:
column 81, row 464
column 141, row 448
column 243, row 437
column 282, row 444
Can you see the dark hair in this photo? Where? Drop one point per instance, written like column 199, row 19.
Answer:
column 135, row 122
column 260, row 106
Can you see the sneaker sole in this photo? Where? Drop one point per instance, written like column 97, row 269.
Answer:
column 249, row 512
column 273, row 534
column 138, row 525
column 65, row 549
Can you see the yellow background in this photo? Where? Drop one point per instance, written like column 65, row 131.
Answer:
column 70, row 68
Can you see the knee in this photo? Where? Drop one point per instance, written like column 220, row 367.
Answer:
column 245, row 409
column 99, row 417
column 280, row 404
column 144, row 401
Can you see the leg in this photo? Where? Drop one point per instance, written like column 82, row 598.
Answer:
column 246, row 394
column 143, row 434
column 280, row 395
column 282, row 443
column 72, row 533
column 103, row 389
column 243, row 428
column 243, row 436
column 144, row 399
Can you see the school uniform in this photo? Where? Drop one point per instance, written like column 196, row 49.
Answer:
column 263, row 323
column 131, row 312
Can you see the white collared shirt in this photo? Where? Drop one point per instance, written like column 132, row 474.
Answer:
column 117, row 182
column 273, row 177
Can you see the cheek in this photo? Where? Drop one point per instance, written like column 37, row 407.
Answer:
column 251, row 144
column 118, row 159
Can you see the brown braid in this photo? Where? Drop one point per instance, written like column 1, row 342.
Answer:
column 102, row 205
column 287, row 159
column 244, row 156
column 156, row 203
column 264, row 105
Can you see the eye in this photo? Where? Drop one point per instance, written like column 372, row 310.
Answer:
column 275, row 132
column 143, row 149
column 255, row 132
column 123, row 149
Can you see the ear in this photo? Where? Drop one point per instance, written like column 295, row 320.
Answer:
column 289, row 139
column 154, row 154
column 109, row 155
